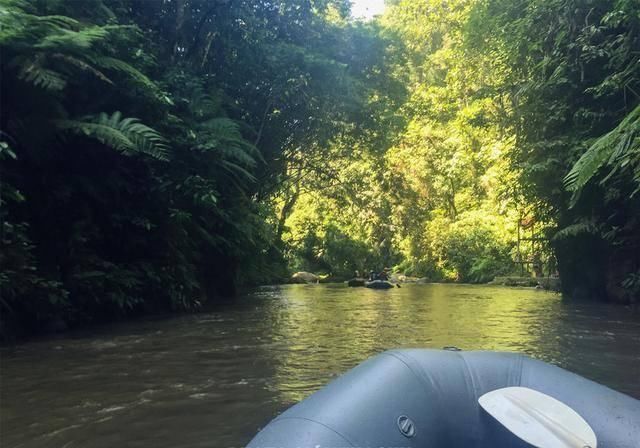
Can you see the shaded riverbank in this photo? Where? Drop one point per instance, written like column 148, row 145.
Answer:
column 212, row 379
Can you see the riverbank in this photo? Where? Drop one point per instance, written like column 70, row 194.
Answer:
column 546, row 283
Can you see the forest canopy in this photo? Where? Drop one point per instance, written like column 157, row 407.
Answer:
column 156, row 155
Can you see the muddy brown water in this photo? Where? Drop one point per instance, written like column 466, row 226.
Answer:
column 213, row 379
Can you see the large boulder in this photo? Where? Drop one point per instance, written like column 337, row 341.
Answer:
column 304, row 277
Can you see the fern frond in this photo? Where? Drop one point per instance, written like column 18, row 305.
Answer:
column 236, row 154
column 202, row 104
column 57, row 21
column 618, row 148
column 127, row 135
column 133, row 73
column 228, row 133
column 37, row 69
column 67, row 40
column 579, row 228
column 237, row 171
column 32, row 71
column 104, row 134
column 106, row 11
column 589, row 163
column 224, row 127
column 71, row 60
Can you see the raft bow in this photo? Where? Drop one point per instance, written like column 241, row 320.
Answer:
column 420, row 398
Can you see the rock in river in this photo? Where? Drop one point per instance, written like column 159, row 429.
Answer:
column 304, row 277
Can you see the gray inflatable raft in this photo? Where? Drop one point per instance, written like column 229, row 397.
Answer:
column 378, row 284
column 429, row 398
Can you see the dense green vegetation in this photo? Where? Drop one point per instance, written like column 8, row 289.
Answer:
column 157, row 154
column 514, row 112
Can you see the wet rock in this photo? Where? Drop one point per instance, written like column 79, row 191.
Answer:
column 304, row 277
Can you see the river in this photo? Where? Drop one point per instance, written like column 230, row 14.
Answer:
column 212, row 379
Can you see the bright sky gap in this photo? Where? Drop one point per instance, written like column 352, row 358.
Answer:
column 366, row 9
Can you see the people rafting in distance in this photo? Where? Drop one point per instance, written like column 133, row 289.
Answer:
column 374, row 280
column 382, row 275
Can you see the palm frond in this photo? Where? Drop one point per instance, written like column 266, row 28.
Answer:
column 127, row 135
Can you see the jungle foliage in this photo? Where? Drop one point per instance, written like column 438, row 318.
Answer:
column 157, row 154
column 143, row 144
column 514, row 111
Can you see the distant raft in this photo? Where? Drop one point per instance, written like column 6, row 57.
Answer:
column 429, row 398
column 378, row 284
column 355, row 282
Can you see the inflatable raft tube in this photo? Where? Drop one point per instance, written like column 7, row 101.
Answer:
column 429, row 399
column 379, row 284
column 355, row 282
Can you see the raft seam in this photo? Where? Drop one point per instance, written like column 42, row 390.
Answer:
column 520, row 367
column 469, row 374
column 420, row 377
column 321, row 424
column 469, row 378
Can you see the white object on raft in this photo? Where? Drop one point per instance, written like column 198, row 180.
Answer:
column 538, row 419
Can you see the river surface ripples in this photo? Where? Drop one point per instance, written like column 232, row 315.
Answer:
column 213, row 379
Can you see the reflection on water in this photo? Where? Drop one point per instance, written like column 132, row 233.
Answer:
column 212, row 380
